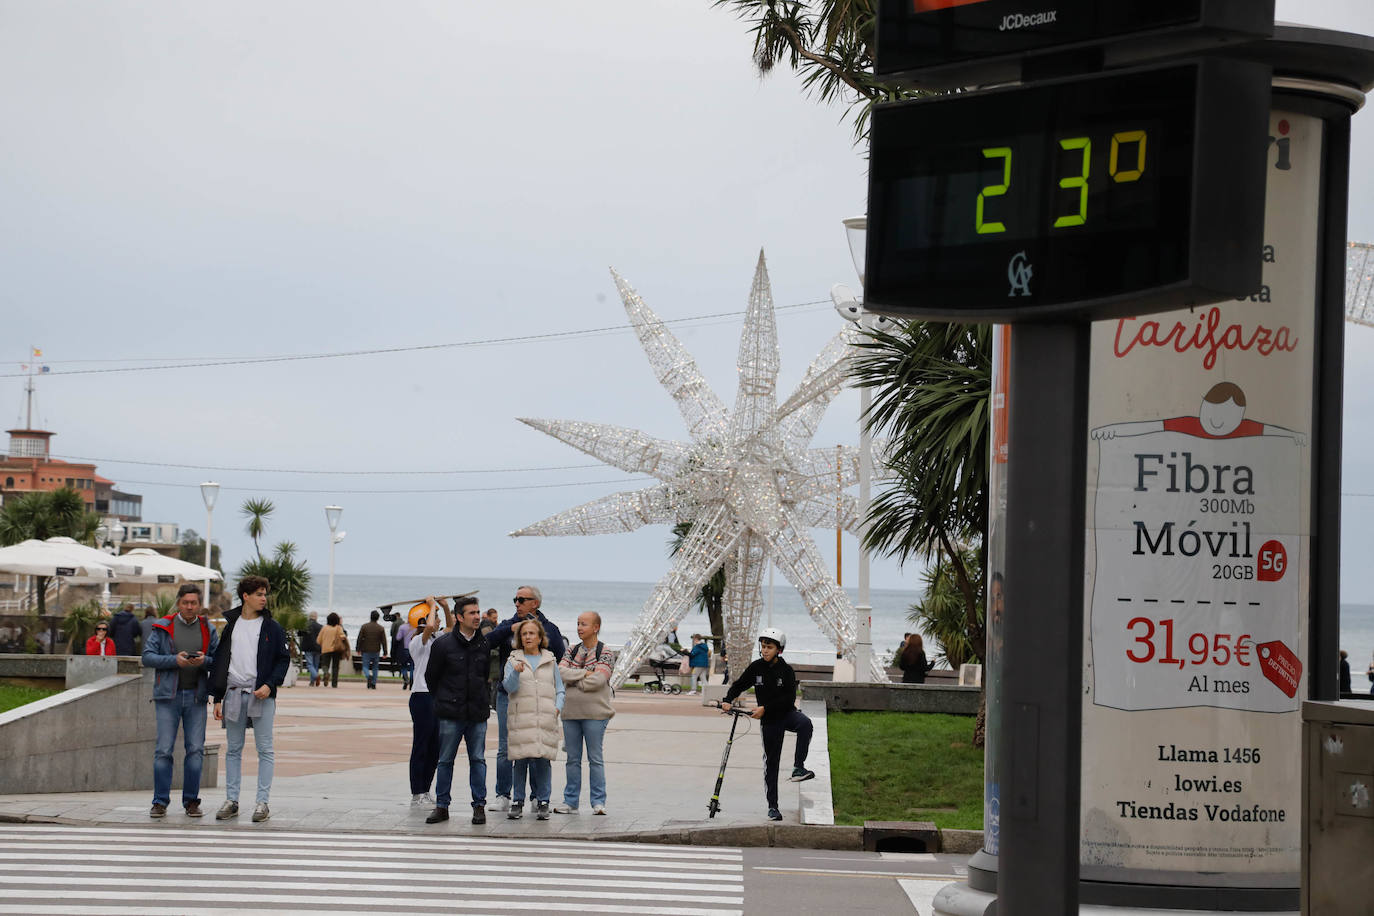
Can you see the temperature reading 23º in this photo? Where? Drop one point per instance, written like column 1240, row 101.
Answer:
column 1078, row 170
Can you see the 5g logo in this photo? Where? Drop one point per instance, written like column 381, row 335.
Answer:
column 1019, row 273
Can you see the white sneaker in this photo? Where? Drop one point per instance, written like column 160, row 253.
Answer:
column 417, row 801
column 500, row 803
column 565, row 809
column 429, row 801
column 598, row 809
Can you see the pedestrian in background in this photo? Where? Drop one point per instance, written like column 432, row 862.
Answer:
column 372, row 646
column 310, row 647
column 699, row 659
column 912, row 660
column 250, row 664
column 400, row 652
column 100, row 642
column 587, row 710
column 333, row 639
column 489, row 623
column 535, row 688
column 125, row 631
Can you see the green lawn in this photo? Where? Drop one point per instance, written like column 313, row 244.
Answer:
column 894, row 766
column 11, row 697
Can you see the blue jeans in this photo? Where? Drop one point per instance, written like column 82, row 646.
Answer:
column 540, row 776
column 312, row 662
column 405, row 665
column 262, row 739
column 183, row 710
column 370, row 666
column 424, row 743
column 593, row 732
column 451, row 731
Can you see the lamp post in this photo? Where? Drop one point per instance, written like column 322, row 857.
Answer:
column 331, row 515
column 209, row 491
column 850, row 308
column 108, row 536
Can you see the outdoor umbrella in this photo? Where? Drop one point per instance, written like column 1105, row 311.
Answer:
column 47, row 558
column 167, row 569
column 121, row 569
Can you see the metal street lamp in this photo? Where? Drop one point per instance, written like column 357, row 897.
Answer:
column 850, row 308
column 332, row 515
column 209, row 491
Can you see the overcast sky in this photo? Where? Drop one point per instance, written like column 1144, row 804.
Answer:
column 259, row 179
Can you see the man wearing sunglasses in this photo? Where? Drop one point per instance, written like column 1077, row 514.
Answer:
column 527, row 603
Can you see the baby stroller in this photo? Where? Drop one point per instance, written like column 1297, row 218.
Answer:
column 664, row 660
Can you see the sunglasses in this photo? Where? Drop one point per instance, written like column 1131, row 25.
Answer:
column 102, row 629
column 521, row 600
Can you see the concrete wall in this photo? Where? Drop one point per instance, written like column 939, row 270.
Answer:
column 946, row 698
column 63, row 672
column 96, row 737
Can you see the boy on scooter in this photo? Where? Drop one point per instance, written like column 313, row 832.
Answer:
column 775, row 691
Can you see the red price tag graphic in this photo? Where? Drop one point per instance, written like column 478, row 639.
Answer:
column 1280, row 666
column 1272, row 561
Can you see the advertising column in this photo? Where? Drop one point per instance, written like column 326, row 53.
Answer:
column 1197, row 564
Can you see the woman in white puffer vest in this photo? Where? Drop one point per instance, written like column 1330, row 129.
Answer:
column 536, row 699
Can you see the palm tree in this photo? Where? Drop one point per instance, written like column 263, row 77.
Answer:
column 931, row 384
column 46, row 514
column 940, row 612
column 711, row 598
column 289, row 580
column 257, row 512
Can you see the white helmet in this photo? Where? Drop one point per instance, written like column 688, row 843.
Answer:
column 775, row 635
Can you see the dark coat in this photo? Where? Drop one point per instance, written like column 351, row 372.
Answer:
column 914, row 672
column 310, row 637
column 775, row 687
column 457, row 677
column 274, row 658
column 124, row 629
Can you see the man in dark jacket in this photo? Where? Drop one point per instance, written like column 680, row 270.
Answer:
column 310, row 646
column 457, row 679
column 528, row 600
column 372, row 646
column 775, row 692
column 124, row 630
column 250, row 665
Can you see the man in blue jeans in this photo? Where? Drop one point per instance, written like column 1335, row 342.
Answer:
column 180, row 648
column 456, row 676
column 372, row 646
column 528, row 601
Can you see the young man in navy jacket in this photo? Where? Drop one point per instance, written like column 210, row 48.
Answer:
column 251, row 664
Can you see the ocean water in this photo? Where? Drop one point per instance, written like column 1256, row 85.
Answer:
column 618, row 603
column 1357, row 639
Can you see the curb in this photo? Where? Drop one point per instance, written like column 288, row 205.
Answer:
column 783, row 836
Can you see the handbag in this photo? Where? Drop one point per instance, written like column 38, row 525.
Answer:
column 686, row 666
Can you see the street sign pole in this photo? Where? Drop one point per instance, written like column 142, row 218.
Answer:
column 1041, row 673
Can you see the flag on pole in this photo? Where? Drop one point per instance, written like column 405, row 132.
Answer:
column 37, row 352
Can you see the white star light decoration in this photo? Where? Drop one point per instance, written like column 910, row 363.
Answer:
column 746, row 481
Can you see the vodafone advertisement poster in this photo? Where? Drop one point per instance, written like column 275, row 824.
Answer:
column 1199, row 480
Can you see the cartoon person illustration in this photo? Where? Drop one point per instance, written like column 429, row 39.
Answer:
column 1221, row 416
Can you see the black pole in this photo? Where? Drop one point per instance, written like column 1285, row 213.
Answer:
column 1042, row 661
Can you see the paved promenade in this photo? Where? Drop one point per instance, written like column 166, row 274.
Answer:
column 342, row 765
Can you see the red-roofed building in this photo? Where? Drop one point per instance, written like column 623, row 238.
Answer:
column 29, row 466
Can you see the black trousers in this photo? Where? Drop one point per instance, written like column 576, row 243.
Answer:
column 772, row 731
column 424, row 743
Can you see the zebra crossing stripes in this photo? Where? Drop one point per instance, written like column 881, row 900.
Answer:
column 78, row 870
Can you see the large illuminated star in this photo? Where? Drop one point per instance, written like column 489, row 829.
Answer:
column 747, row 482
